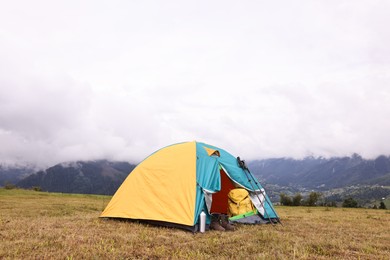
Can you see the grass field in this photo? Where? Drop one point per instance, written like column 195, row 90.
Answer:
column 40, row 225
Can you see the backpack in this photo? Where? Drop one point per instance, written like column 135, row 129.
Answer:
column 239, row 202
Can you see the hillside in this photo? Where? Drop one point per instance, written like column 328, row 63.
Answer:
column 367, row 181
column 87, row 177
column 321, row 173
column 11, row 174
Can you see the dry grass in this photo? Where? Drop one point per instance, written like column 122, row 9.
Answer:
column 38, row 225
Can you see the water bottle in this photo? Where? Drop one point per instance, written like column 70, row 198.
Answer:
column 202, row 222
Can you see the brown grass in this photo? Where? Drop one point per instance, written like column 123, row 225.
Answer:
column 38, row 225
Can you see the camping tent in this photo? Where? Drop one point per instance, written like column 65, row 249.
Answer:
column 176, row 183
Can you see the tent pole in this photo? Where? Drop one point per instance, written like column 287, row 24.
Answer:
column 247, row 172
column 243, row 166
column 265, row 197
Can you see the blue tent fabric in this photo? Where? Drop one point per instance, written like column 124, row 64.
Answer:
column 211, row 181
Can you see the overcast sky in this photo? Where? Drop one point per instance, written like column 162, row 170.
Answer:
column 120, row 79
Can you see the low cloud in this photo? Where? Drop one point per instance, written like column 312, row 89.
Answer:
column 258, row 80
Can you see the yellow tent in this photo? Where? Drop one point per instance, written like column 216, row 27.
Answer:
column 172, row 186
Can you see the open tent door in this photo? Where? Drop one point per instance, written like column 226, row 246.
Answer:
column 220, row 199
column 219, row 202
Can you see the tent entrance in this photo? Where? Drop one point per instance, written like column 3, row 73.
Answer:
column 220, row 199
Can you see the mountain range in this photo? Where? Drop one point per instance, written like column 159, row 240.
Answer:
column 277, row 175
column 322, row 173
column 365, row 180
column 86, row 177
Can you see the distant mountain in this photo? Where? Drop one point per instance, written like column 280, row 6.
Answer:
column 87, row 177
column 316, row 173
column 11, row 174
column 336, row 178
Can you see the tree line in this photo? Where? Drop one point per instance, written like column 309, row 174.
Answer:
column 298, row 200
column 314, row 200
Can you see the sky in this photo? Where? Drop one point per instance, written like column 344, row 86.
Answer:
column 86, row 80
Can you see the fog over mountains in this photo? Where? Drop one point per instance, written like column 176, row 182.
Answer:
column 86, row 177
column 104, row 177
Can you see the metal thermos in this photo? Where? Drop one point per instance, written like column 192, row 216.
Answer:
column 202, row 228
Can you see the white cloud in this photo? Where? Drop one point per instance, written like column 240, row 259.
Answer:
column 96, row 80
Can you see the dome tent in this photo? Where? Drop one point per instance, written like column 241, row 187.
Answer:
column 176, row 183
